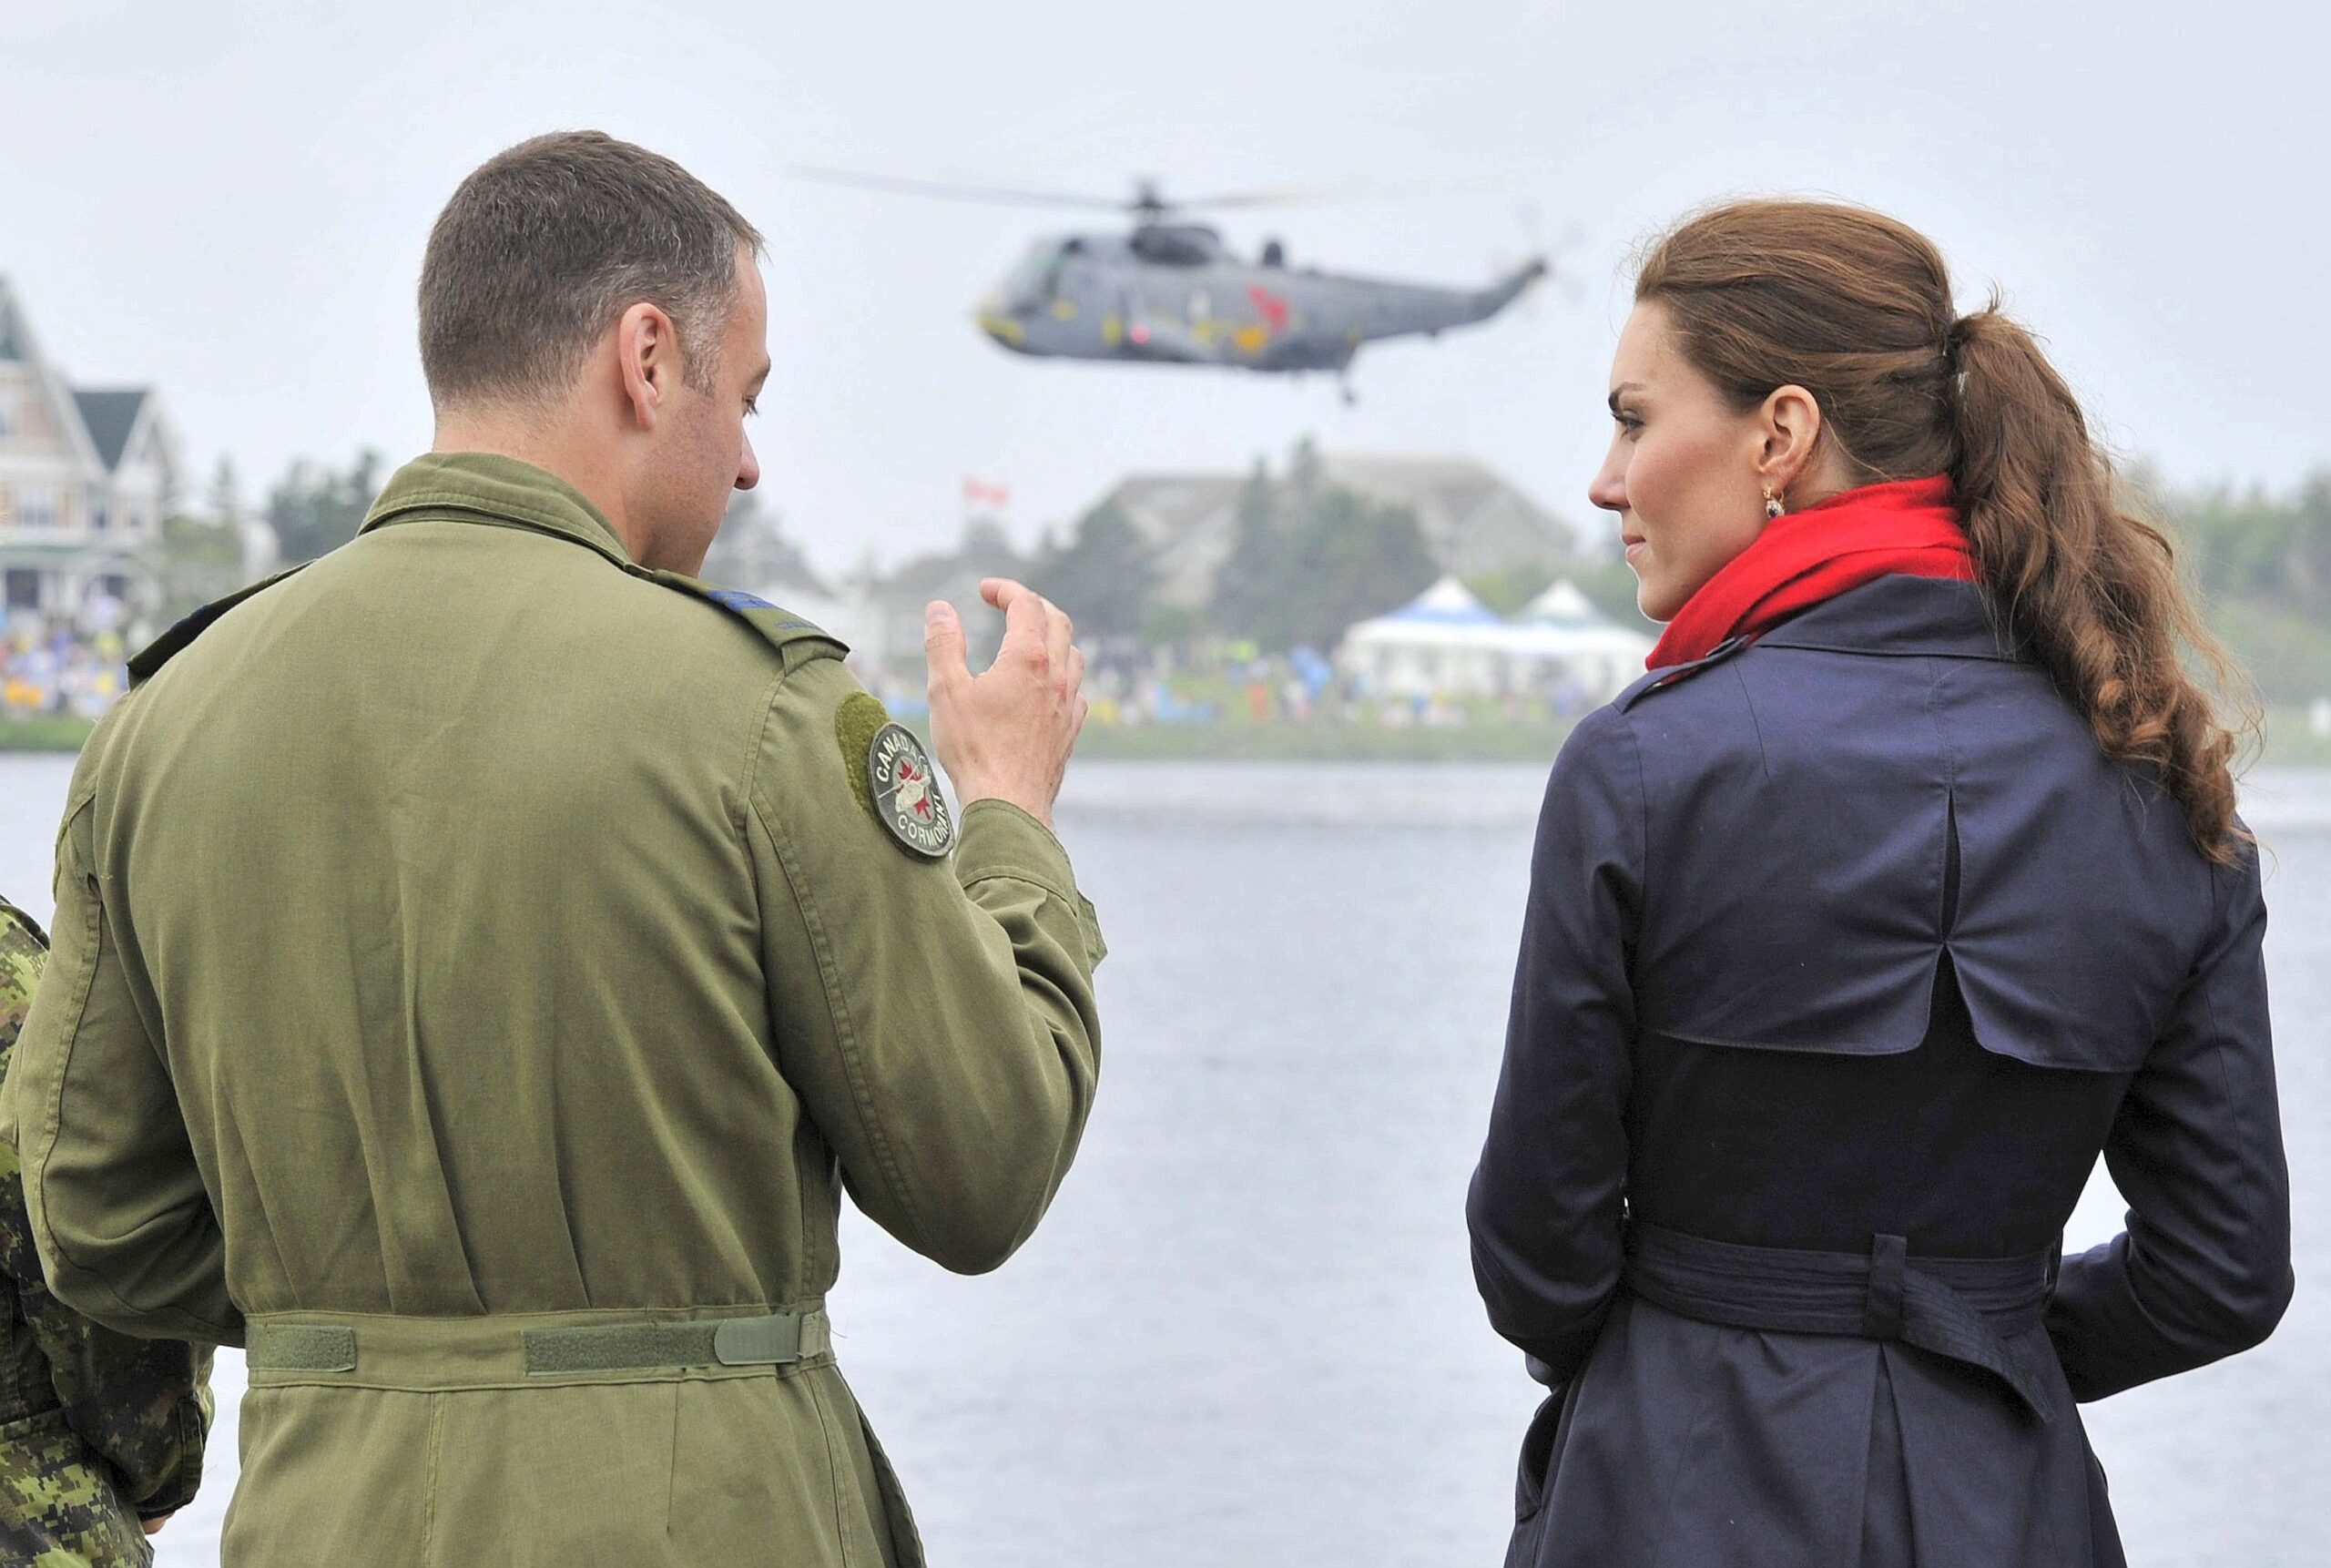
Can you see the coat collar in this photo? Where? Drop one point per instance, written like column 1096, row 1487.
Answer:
column 486, row 487
column 1901, row 616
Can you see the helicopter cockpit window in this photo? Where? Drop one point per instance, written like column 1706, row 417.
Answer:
column 1177, row 244
column 1036, row 279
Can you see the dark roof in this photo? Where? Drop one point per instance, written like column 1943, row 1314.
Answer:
column 110, row 416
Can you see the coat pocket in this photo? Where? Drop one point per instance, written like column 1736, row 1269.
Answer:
column 1540, row 1447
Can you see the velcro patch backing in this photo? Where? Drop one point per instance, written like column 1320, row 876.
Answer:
column 857, row 722
column 300, row 1348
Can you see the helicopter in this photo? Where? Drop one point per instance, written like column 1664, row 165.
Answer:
column 1170, row 291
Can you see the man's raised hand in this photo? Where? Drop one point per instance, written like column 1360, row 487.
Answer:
column 1006, row 734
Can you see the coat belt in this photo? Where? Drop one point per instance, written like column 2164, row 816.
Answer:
column 1965, row 1308
column 503, row 1350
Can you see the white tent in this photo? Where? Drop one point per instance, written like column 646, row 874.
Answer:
column 1603, row 656
column 1448, row 643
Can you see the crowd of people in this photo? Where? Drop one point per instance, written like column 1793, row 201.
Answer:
column 59, row 669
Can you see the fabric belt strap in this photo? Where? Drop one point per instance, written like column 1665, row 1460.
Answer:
column 1965, row 1308
column 502, row 1347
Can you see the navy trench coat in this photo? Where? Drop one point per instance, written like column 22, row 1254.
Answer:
column 1847, row 953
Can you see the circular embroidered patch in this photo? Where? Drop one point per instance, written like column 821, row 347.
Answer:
column 906, row 794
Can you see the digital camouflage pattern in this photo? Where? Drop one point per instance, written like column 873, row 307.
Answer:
column 96, row 1429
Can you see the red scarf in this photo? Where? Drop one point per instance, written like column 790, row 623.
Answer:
column 1908, row 526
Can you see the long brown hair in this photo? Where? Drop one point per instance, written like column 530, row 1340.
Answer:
column 1857, row 309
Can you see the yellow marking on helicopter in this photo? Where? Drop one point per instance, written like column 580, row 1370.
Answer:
column 1063, row 310
column 1112, row 330
column 1002, row 327
column 1251, row 339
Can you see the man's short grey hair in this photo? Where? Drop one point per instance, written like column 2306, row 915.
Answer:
column 545, row 246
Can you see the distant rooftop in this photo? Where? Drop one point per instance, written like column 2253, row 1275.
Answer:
column 110, row 414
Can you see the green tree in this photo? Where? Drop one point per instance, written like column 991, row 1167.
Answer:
column 313, row 509
column 1610, row 586
column 1508, row 589
column 2261, row 564
column 753, row 552
column 1248, row 583
column 1307, row 560
column 1106, row 575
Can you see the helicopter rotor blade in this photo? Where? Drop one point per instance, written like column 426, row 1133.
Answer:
column 1330, row 195
column 989, row 195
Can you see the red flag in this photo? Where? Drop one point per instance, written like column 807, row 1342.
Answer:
column 979, row 493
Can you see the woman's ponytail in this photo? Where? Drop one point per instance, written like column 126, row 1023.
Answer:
column 2090, row 590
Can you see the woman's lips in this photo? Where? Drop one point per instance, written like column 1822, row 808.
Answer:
column 1634, row 547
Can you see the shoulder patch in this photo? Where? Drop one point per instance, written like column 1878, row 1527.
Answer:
column 1659, row 679
column 797, row 641
column 905, row 790
column 171, row 642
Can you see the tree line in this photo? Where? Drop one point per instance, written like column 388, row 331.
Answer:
column 1309, row 559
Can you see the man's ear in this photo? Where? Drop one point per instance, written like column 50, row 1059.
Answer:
column 648, row 356
column 1791, row 433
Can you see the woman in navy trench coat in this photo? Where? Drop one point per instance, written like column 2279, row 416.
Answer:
column 1852, row 941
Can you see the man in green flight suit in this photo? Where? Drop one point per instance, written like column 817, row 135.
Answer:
column 101, row 1435
column 484, row 955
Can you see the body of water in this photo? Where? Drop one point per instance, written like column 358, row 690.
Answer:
column 1247, row 1333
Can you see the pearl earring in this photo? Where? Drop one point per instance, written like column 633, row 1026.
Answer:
column 1773, row 508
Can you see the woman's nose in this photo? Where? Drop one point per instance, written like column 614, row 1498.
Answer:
column 1609, row 489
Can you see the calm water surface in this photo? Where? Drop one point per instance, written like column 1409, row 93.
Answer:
column 1247, row 1333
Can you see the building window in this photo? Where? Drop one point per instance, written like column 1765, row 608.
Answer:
column 24, row 589
column 115, row 585
column 100, row 516
column 7, row 415
column 36, row 506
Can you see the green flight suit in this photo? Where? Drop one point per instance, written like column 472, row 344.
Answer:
column 97, row 1430
column 474, row 949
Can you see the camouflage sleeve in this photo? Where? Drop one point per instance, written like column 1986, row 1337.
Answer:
column 144, row 1405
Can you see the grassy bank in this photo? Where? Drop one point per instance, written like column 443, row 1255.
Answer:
column 1501, row 742
column 44, row 732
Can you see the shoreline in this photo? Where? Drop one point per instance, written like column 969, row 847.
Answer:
column 2289, row 743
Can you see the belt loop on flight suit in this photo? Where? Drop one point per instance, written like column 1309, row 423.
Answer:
column 1881, row 1317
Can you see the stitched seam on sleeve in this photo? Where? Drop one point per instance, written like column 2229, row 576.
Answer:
column 54, row 1119
column 2218, row 1041
column 837, row 1003
column 1642, row 826
column 1068, row 898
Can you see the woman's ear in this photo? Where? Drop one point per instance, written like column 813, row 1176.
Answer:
column 1790, row 431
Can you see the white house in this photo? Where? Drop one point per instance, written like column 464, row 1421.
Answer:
column 85, row 477
column 1447, row 642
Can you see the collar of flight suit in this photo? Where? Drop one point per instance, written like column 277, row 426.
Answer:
column 487, row 487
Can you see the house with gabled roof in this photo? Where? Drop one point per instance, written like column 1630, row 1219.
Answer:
column 1473, row 518
column 87, row 475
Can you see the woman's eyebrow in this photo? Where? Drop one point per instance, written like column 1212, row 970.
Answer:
column 1623, row 387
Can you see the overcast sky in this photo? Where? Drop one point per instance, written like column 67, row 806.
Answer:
column 234, row 209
